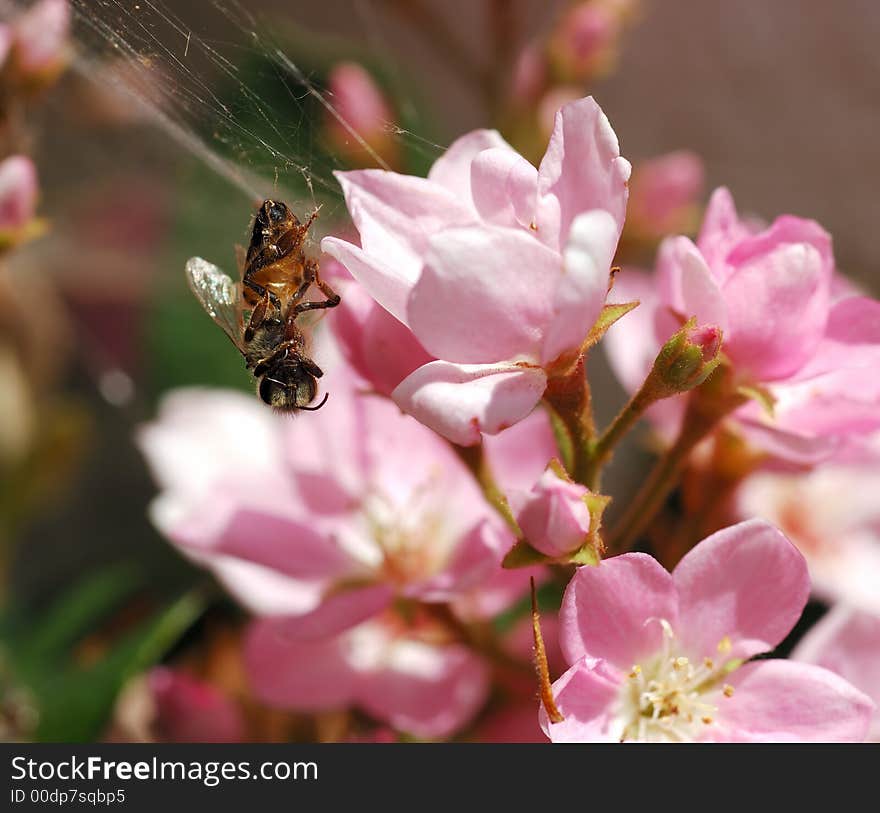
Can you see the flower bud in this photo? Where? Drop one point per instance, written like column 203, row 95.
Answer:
column 362, row 106
column 18, row 197
column 664, row 193
column 553, row 516
column 41, row 39
column 685, row 361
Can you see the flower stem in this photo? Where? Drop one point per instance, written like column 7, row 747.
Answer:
column 603, row 448
column 570, row 399
column 474, row 458
column 707, row 406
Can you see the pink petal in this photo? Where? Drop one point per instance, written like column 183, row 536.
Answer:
column 192, row 710
column 585, row 695
column 397, row 214
column 302, row 675
column 499, row 592
column 461, row 401
column 720, row 232
column 697, row 292
column 379, row 347
column 580, row 294
column 777, row 301
column 41, row 34
column 388, row 285
column 476, row 558
column 847, row 642
column 784, row 701
column 18, row 191
column 520, row 454
column 553, row 516
column 613, row 611
column 452, row 170
column 795, row 447
column 261, row 590
column 581, row 170
column 747, row 584
column 338, row 612
column 424, row 689
column 485, row 295
column 291, row 547
column 851, row 340
column 504, row 187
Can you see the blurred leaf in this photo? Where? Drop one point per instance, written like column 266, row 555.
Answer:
column 75, row 704
column 78, row 612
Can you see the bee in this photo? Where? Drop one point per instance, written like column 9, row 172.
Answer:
column 260, row 313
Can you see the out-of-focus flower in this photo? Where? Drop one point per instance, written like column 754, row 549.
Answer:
column 411, row 677
column 497, row 268
column 664, row 195
column 554, row 516
column 833, row 515
column 362, row 117
column 18, row 198
column 40, row 40
column 190, row 710
column 324, row 521
column 770, row 292
column 5, row 42
column 583, row 44
column 847, row 641
column 169, row 705
column 657, row 656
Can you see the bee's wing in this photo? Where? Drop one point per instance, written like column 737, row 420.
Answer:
column 218, row 295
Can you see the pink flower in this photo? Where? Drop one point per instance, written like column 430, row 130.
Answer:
column 402, row 676
column 583, row 42
column 554, row 516
column 190, row 710
column 664, row 194
column 18, row 194
column 656, row 656
column 497, row 269
column 41, row 36
column 5, row 42
column 322, row 521
column 847, row 641
column 361, row 105
column 770, row 292
column 833, row 515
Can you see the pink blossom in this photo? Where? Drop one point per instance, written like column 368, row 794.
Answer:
column 18, row 193
column 363, row 115
column 554, row 516
column 190, row 710
column 833, row 515
column 498, row 269
column 41, row 35
column 404, row 677
column 847, row 641
column 5, row 42
column 664, row 194
column 770, row 292
column 326, row 521
column 657, row 656
column 583, row 42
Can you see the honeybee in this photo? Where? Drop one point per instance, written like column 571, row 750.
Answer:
column 260, row 313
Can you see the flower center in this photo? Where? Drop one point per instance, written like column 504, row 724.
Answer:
column 665, row 700
column 413, row 539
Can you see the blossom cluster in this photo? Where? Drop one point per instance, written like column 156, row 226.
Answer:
column 384, row 546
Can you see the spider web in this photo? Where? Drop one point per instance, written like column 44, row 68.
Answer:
column 219, row 79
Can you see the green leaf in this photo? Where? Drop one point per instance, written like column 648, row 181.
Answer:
column 77, row 612
column 75, row 704
column 522, row 554
column 609, row 315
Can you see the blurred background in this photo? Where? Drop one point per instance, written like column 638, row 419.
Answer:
column 165, row 122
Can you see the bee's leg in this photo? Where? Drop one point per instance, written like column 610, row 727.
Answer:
column 258, row 315
column 332, row 300
column 293, row 239
column 263, row 292
column 310, row 274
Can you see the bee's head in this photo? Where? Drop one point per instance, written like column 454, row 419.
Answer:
column 275, row 213
column 290, row 387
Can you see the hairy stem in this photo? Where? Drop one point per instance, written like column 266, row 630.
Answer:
column 570, row 399
column 475, row 459
column 707, row 406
